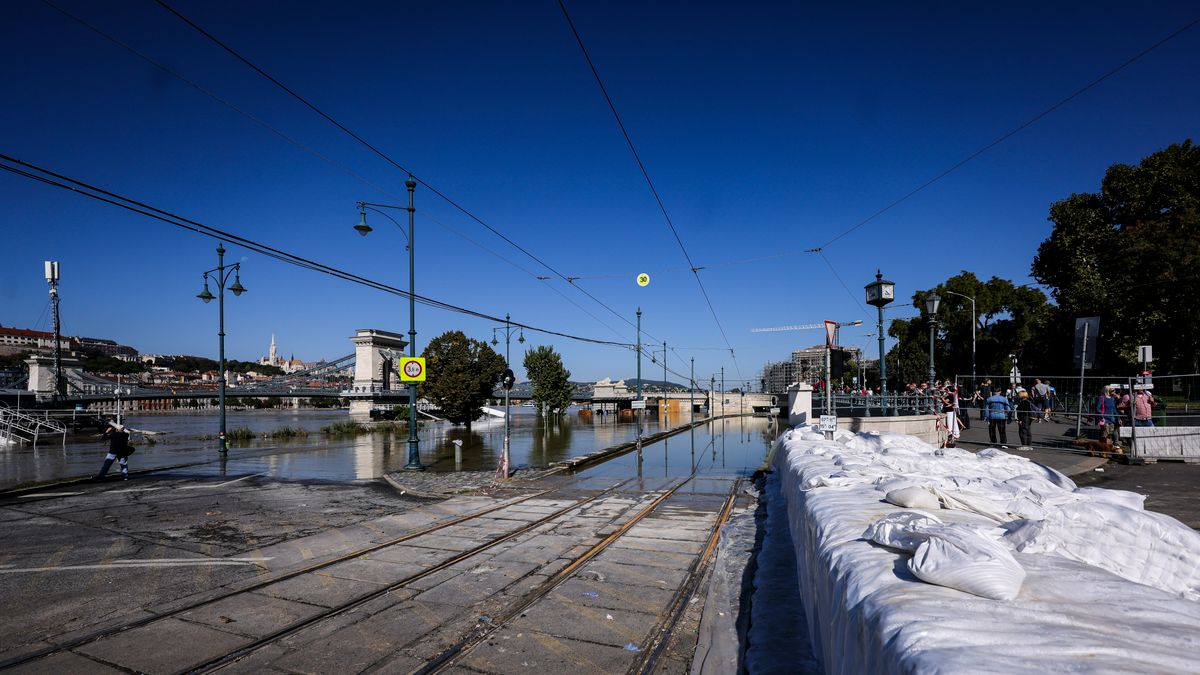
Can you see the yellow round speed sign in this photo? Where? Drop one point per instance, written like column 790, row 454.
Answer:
column 643, row 279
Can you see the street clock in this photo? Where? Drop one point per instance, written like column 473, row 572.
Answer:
column 880, row 292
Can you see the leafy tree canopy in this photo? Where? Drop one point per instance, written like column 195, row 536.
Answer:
column 461, row 373
column 1130, row 254
column 551, row 381
column 1008, row 321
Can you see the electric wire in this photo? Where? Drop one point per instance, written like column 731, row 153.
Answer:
column 382, row 155
column 1004, row 137
column 298, row 144
column 646, row 175
column 84, row 189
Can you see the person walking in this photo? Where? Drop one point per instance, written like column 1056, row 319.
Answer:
column 998, row 409
column 950, row 413
column 1026, row 412
column 118, row 448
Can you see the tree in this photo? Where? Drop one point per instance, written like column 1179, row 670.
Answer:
column 1010, row 319
column 1130, row 255
column 551, row 381
column 461, row 374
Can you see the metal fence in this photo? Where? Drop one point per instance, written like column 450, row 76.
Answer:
column 1071, row 415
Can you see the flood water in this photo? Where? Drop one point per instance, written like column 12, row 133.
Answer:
column 726, row 446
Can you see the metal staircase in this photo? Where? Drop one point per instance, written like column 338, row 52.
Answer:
column 22, row 427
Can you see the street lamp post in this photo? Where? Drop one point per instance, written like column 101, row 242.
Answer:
column 508, row 329
column 414, row 454
column 880, row 293
column 931, row 305
column 220, row 275
column 974, row 320
column 637, row 412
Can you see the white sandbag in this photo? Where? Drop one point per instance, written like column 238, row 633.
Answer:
column 1130, row 500
column 913, row 497
column 904, row 530
column 958, row 557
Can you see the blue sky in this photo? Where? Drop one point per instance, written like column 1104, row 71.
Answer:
column 767, row 128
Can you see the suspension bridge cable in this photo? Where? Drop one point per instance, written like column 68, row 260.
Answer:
column 646, row 175
column 382, row 155
column 958, row 165
column 48, row 177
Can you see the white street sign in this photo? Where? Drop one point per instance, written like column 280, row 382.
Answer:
column 828, row 423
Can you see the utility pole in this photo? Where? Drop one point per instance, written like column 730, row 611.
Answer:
column 691, row 392
column 637, row 412
column 722, row 391
column 60, row 389
column 664, row 403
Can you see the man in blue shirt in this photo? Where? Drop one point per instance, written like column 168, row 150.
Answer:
column 998, row 410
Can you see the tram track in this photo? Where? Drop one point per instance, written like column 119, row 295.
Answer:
column 667, row 621
column 316, row 567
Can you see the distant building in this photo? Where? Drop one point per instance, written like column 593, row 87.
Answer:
column 17, row 340
column 272, row 358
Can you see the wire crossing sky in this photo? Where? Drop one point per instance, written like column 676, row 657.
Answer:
column 917, row 140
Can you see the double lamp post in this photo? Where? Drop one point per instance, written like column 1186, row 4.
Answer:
column 220, row 275
column 414, row 455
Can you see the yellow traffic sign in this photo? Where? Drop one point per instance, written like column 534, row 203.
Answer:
column 643, row 279
column 412, row 369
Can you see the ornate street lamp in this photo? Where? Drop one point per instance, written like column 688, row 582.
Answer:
column 880, row 293
column 220, row 275
column 414, row 455
column 931, row 305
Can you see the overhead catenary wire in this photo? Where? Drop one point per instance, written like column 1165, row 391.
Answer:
column 303, row 147
column 79, row 187
column 384, row 156
column 1004, row 137
column 649, row 182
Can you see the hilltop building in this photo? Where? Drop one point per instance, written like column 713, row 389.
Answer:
column 289, row 365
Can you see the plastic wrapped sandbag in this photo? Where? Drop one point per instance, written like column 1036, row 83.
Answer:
column 1130, row 500
column 904, row 530
column 1143, row 546
column 913, row 497
column 958, row 557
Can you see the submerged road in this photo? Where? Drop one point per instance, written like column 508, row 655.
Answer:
column 188, row 571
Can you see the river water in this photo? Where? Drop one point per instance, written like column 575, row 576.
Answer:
column 726, row 446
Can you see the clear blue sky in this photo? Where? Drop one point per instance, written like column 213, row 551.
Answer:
column 767, row 128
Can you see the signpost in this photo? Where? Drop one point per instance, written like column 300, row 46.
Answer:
column 828, row 424
column 638, row 405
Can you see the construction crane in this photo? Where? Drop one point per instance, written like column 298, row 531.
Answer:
column 776, row 329
column 809, row 326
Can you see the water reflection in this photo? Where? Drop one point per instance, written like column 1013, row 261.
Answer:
column 732, row 446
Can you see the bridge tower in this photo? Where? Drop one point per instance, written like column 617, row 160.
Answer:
column 43, row 381
column 375, row 377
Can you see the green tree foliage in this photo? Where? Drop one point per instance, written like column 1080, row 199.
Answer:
column 551, row 381
column 1010, row 321
column 1130, row 255
column 461, row 373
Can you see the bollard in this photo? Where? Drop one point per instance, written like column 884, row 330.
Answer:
column 457, row 455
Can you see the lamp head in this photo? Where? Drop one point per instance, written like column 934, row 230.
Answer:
column 205, row 294
column 522, row 338
column 362, row 227
column 932, row 301
column 237, row 288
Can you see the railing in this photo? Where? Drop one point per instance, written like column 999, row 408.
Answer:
column 868, row 405
column 16, row 426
